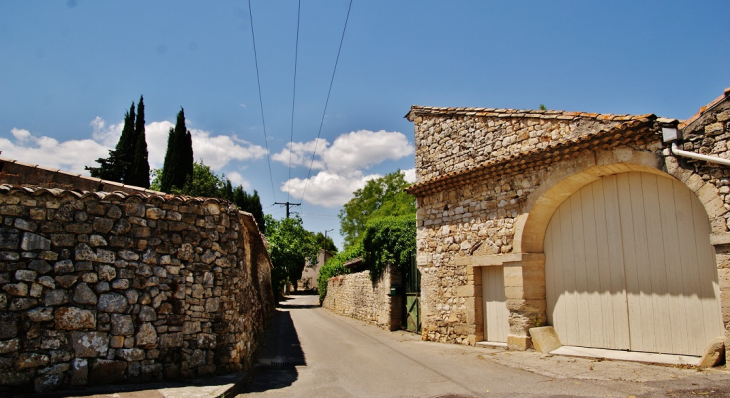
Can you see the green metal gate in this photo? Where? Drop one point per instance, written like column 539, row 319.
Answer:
column 412, row 282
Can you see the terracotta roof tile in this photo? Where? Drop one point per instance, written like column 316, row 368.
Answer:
column 703, row 109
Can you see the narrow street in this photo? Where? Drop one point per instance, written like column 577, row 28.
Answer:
column 311, row 352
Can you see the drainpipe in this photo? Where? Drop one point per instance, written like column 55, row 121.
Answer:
column 671, row 134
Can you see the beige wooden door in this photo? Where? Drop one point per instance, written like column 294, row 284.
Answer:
column 496, row 315
column 629, row 265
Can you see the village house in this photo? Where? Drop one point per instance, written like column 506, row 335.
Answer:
column 609, row 228
column 308, row 281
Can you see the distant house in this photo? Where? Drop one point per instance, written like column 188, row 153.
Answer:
column 311, row 270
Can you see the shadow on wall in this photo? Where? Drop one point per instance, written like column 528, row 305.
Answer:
column 280, row 355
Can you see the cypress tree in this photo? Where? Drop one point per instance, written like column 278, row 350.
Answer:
column 178, row 166
column 116, row 166
column 139, row 170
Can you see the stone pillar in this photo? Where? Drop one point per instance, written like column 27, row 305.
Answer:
column 524, row 286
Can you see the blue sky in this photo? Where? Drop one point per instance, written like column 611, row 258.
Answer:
column 70, row 69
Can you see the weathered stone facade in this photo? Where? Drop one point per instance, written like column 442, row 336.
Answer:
column 357, row 296
column 489, row 180
column 100, row 287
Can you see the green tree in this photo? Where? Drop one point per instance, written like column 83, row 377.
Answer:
column 115, row 167
column 327, row 244
column 139, row 169
column 290, row 246
column 335, row 266
column 205, row 183
column 389, row 241
column 381, row 197
column 178, row 165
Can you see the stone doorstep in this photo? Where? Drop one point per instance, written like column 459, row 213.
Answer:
column 634, row 356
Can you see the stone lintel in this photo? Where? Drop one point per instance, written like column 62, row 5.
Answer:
column 487, row 260
column 720, row 238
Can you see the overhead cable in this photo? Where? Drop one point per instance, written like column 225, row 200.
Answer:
column 326, row 103
column 294, row 96
column 261, row 102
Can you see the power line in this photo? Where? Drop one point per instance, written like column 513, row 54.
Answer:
column 261, row 102
column 288, row 204
column 293, row 99
column 326, row 103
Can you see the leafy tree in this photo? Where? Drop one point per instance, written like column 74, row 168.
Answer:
column 335, row 266
column 127, row 162
column 290, row 246
column 178, row 164
column 327, row 244
column 139, row 169
column 380, row 197
column 114, row 168
column 205, row 183
column 389, row 240
column 543, row 107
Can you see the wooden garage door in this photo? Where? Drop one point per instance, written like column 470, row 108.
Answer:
column 629, row 266
column 496, row 315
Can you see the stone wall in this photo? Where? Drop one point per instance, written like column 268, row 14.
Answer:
column 113, row 287
column 484, row 205
column 357, row 296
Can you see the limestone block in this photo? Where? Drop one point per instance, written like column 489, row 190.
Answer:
column 714, row 354
column 40, row 266
column 56, row 297
column 90, row 344
column 544, row 339
column 26, row 275
column 171, row 340
column 131, row 354
column 22, row 304
column 518, row 343
column 28, row 360
column 147, row 335
column 47, row 383
column 80, row 372
column 40, row 314
column 33, row 241
column 72, row 318
column 66, row 281
column 122, row 325
column 9, row 346
column 84, row 295
column 63, row 267
column 112, row 302
column 16, row 289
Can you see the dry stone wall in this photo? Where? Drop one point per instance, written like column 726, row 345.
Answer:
column 113, row 287
column 357, row 296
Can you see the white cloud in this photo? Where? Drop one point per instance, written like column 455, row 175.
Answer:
column 70, row 155
column 410, row 175
column 327, row 189
column 216, row 150
column 238, row 179
column 342, row 163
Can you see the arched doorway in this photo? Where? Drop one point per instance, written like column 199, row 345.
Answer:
column 629, row 265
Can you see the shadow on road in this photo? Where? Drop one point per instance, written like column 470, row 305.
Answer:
column 281, row 354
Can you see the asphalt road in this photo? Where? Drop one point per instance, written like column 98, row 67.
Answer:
column 311, row 352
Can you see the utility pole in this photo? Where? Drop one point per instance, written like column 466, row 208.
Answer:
column 287, row 204
column 324, row 246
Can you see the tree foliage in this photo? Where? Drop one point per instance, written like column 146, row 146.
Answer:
column 381, row 197
column 178, row 164
column 127, row 162
column 205, row 183
column 335, row 266
column 139, row 169
column 327, row 244
column 290, row 247
column 389, row 240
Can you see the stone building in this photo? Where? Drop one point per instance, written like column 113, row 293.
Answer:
column 308, row 281
column 594, row 224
